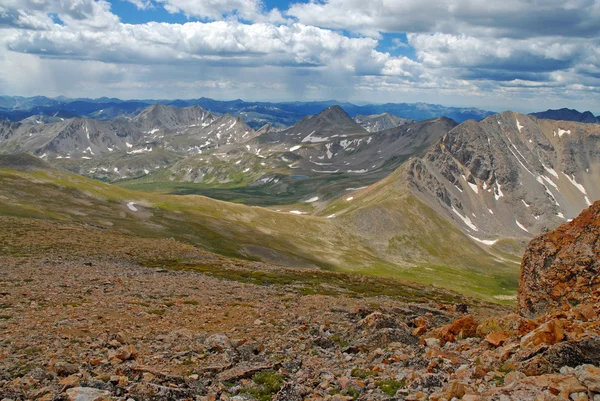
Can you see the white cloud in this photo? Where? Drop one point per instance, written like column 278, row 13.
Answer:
column 216, row 42
column 501, row 52
column 508, row 18
column 141, row 4
column 250, row 10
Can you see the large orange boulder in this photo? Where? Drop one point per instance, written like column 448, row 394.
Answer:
column 562, row 267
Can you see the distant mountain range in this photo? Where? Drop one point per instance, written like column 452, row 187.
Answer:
column 568, row 115
column 255, row 114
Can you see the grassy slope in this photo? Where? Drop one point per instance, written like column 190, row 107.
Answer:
column 236, row 230
column 392, row 221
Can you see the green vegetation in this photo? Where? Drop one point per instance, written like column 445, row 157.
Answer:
column 362, row 373
column 266, row 383
column 387, row 234
column 390, row 387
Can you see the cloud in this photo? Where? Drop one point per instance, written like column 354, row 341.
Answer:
column 221, row 42
column 35, row 14
column 249, row 10
column 463, row 49
column 141, row 4
column 508, row 18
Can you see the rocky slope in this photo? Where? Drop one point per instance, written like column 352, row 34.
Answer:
column 321, row 158
column 161, row 320
column 562, row 267
column 381, row 122
column 124, row 147
column 510, row 175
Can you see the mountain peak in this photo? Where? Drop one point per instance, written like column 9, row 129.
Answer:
column 565, row 114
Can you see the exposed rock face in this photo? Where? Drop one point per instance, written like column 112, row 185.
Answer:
column 510, row 175
column 563, row 266
column 380, row 122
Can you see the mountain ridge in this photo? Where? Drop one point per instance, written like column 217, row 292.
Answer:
column 256, row 114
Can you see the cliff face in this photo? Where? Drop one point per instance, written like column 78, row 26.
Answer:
column 562, row 266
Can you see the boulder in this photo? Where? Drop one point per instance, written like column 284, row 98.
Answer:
column 461, row 328
column 561, row 268
column 87, row 394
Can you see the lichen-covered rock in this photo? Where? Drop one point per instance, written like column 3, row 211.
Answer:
column 562, row 267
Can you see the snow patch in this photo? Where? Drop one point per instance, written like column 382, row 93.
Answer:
column 315, row 139
column 550, row 170
column 329, row 154
column 296, row 212
column 561, row 132
column 294, row 148
column 498, row 193
column 348, row 199
column 580, row 187
column 525, row 203
column 358, row 171
column 521, row 226
column 142, row 150
column 311, row 200
column 465, row 220
column 131, row 206
column 519, row 126
column 484, row 241
column 473, row 187
column 129, row 145
column 331, row 216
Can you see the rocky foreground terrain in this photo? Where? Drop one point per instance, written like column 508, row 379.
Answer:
column 162, row 320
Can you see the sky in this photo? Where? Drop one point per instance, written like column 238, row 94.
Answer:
column 522, row 55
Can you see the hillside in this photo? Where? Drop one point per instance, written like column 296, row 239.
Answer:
column 508, row 176
column 255, row 233
column 92, row 314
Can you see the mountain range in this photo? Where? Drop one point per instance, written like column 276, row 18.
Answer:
column 255, row 114
column 568, row 115
column 426, row 200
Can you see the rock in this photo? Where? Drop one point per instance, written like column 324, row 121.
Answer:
column 455, row 389
column 589, row 376
column 289, row 392
column 562, row 266
column 324, row 342
column 461, row 328
column 87, row 394
column 585, row 312
column 124, row 353
column 242, row 371
column 218, row 342
column 69, row 381
column 65, row 369
column 401, row 334
column 512, row 324
column 549, row 333
column 513, row 377
column 376, row 321
column 496, row 339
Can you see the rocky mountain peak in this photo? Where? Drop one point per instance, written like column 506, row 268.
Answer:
column 562, row 267
column 381, row 122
